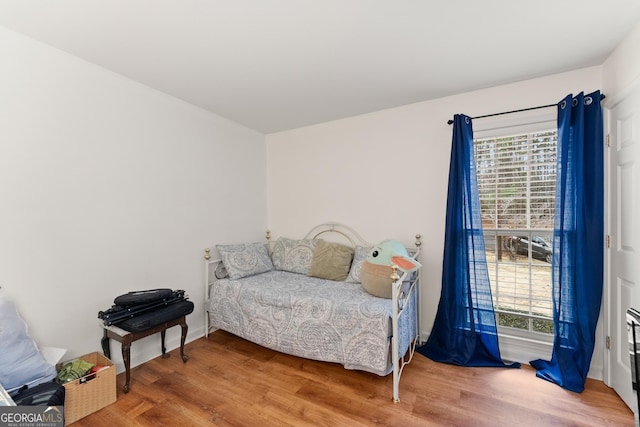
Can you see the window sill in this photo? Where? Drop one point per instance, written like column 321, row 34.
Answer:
column 515, row 348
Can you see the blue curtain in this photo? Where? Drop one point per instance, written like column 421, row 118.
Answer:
column 578, row 244
column 464, row 332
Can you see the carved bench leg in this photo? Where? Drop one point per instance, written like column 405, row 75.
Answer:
column 183, row 338
column 163, row 333
column 126, row 357
column 106, row 348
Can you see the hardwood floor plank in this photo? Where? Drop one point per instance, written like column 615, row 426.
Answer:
column 231, row 382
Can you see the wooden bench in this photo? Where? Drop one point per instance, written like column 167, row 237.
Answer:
column 126, row 338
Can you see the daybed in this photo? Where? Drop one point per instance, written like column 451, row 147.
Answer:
column 279, row 295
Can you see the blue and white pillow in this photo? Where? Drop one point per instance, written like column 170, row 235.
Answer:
column 292, row 255
column 245, row 259
column 359, row 257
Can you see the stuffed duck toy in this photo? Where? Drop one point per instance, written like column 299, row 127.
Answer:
column 376, row 269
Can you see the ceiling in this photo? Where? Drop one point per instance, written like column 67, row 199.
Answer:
column 274, row 65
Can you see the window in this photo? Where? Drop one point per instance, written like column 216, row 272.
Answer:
column 516, row 182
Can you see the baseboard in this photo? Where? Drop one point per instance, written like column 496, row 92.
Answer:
column 524, row 350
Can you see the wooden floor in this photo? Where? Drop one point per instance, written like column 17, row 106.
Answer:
column 231, row 382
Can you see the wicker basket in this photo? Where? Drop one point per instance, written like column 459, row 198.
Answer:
column 91, row 392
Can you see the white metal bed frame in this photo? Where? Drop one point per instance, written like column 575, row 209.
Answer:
column 404, row 286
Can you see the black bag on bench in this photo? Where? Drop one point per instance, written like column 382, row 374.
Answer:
column 139, row 302
column 143, row 297
column 153, row 318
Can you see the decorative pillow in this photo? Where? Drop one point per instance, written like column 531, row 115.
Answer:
column 376, row 279
column 293, row 255
column 21, row 363
column 245, row 259
column 361, row 253
column 331, row 261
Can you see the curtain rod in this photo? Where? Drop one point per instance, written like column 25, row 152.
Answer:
column 602, row 96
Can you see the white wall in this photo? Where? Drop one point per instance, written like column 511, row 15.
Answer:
column 108, row 186
column 386, row 173
column 622, row 69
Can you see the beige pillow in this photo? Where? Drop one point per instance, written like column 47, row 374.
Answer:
column 376, row 279
column 331, row 261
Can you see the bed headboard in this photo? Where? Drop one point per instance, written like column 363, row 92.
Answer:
column 336, row 232
column 340, row 233
column 331, row 231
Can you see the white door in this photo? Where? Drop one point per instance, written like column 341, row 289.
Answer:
column 623, row 209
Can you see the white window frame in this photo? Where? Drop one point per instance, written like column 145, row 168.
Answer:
column 515, row 345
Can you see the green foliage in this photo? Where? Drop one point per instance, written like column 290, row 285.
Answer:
column 522, row 321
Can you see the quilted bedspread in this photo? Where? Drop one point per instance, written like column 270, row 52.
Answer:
column 311, row 318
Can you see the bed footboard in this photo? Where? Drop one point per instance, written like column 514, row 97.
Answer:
column 405, row 296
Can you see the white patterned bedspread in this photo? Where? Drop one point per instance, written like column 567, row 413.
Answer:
column 311, row 318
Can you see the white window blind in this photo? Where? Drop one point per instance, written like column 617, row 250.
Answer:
column 516, row 183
